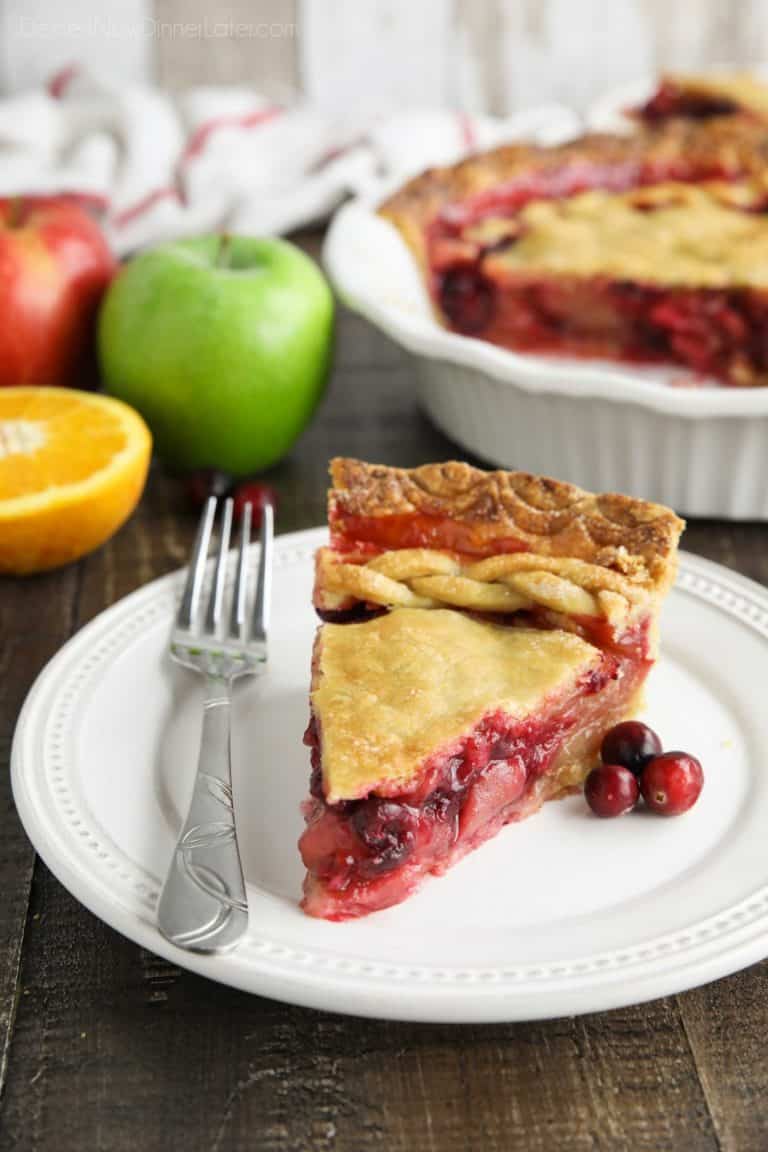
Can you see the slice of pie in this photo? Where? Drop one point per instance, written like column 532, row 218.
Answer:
column 705, row 96
column 483, row 631
column 648, row 248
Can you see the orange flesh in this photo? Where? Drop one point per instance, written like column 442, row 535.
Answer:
column 75, row 442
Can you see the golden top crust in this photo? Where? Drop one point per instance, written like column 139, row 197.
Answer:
column 546, row 517
column 733, row 145
column 389, row 693
column 707, row 235
column 425, row 578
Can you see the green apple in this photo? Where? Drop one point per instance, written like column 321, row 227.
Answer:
column 223, row 343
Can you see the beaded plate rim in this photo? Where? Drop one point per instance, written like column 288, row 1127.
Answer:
column 122, row 892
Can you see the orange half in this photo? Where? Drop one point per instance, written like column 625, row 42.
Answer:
column 72, row 469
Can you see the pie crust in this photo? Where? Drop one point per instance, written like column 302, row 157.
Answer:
column 514, row 541
column 711, row 235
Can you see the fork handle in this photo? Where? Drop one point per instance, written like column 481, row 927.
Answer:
column 203, row 906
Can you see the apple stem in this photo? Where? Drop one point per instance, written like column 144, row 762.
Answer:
column 222, row 256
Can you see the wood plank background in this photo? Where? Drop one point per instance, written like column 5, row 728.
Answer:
column 358, row 58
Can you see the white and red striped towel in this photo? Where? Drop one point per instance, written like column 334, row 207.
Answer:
column 160, row 166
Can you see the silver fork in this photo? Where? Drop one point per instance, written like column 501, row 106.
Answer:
column 203, row 906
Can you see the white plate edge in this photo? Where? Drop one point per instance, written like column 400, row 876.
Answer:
column 474, row 1000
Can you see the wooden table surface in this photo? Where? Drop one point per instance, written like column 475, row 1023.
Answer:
column 105, row 1046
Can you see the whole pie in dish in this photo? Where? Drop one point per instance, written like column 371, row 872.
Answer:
column 648, row 248
column 483, row 631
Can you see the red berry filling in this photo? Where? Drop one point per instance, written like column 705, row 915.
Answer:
column 671, row 100
column 373, row 534
column 467, row 298
column 713, row 332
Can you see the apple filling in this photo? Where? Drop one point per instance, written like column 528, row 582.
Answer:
column 368, row 854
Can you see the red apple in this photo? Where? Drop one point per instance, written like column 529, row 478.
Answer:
column 54, row 267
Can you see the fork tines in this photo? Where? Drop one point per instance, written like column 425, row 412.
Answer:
column 190, row 617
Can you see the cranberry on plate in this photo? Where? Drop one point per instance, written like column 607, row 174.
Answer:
column 632, row 744
column 671, row 783
column 611, row 790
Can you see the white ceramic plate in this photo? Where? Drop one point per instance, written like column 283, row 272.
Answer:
column 562, row 914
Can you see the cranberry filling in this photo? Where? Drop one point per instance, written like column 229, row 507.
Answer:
column 369, row 535
column 388, row 831
column 354, row 615
column 357, row 840
column 671, row 100
column 712, row 331
column 467, row 298
column 367, row 854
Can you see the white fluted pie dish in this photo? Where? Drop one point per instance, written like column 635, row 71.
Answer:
column 609, row 427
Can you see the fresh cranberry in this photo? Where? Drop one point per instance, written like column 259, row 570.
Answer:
column 632, row 744
column 611, row 790
column 204, row 482
column 255, row 494
column 672, row 783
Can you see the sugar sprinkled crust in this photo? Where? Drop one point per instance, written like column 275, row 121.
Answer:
column 708, row 235
column 551, row 518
